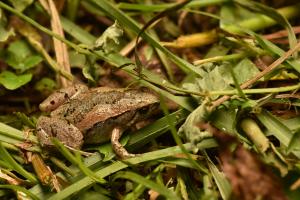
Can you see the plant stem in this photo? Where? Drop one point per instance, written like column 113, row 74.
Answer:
column 257, row 91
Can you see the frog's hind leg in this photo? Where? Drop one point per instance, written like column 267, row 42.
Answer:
column 117, row 146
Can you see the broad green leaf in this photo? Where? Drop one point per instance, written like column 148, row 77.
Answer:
column 20, row 5
column 45, row 85
column 12, row 81
column 77, row 60
column 109, row 40
column 219, row 78
column 245, row 70
column 20, row 56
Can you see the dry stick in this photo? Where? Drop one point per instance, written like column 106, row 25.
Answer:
column 61, row 51
column 60, row 47
column 258, row 76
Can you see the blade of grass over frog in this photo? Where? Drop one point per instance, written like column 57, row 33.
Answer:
column 76, row 160
column 163, row 6
column 128, row 22
column 5, row 156
column 21, row 189
column 11, row 132
column 169, row 194
column 171, row 122
column 222, row 183
column 272, row 13
column 119, row 165
column 155, row 129
column 278, row 129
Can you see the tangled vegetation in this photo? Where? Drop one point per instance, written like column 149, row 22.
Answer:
column 226, row 75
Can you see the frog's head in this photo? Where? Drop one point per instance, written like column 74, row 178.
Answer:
column 146, row 103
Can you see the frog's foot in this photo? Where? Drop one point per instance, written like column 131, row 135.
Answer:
column 65, row 132
column 117, row 146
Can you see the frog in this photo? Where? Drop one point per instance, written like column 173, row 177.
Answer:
column 79, row 115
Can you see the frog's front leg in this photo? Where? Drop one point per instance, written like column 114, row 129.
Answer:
column 68, row 134
column 117, row 146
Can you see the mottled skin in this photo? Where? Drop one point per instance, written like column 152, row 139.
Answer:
column 93, row 115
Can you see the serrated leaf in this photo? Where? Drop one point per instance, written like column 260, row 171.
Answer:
column 219, row 77
column 245, row 70
column 12, row 81
column 109, row 40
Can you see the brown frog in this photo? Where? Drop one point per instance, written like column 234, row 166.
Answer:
column 81, row 115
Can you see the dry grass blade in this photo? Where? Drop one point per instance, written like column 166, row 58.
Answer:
column 60, row 48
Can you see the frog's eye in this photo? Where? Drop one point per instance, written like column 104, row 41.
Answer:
column 143, row 110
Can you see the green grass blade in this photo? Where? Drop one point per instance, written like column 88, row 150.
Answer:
column 129, row 23
column 169, row 194
column 119, row 165
column 21, row 189
column 277, row 128
column 76, row 160
column 157, row 128
column 162, row 6
column 5, row 156
column 222, row 183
